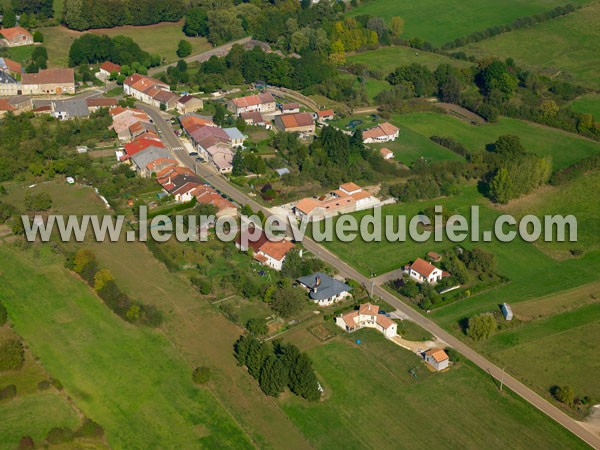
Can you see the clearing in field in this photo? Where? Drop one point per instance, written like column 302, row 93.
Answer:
column 565, row 48
column 371, row 400
column 160, row 39
column 387, row 59
column 588, row 104
column 438, row 21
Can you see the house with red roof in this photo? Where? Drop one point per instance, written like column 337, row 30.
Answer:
column 150, row 90
column 325, row 114
column 268, row 253
column 436, row 358
column 139, row 145
column 423, row 272
column 367, row 316
column 386, row 153
column 296, row 123
column 15, row 37
column 108, row 67
column 350, row 197
column 263, row 102
column 48, row 82
column 384, row 132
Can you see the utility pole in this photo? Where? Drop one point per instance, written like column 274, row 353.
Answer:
column 372, row 284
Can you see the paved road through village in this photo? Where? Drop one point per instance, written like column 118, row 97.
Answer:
column 345, row 270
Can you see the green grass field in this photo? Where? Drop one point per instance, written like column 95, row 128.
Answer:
column 161, row 39
column 34, row 415
column 562, row 341
column 571, row 198
column 588, row 104
column 371, row 400
column 439, row 22
column 410, row 146
column 117, row 373
column 565, row 148
column 565, row 48
column 387, row 59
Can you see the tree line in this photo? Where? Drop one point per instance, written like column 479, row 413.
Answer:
column 92, row 48
column 84, row 263
column 87, row 14
column 276, row 366
column 521, row 22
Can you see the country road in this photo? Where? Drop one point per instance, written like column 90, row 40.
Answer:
column 204, row 170
column 222, row 50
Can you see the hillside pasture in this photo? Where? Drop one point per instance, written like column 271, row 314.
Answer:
column 565, row 48
column 387, row 59
column 159, row 39
column 439, row 21
column 563, row 147
column 83, row 344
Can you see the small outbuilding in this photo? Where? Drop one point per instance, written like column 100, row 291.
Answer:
column 437, row 358
column 506, row 311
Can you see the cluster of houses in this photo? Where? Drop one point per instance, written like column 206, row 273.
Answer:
column 262, row 110
column 213, row 143
column 145, row 151
column 347, row 199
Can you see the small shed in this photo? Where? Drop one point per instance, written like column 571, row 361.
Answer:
column 283, row 171
column 506, row 311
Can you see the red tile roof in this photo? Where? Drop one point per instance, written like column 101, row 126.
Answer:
column 100, row 102
column 49, row 76
column 110, row 67
column 141, row 144
column 253, row 100
column 13, row 66
column 422, row 267
column 325, row 113
column 297, row 120
column 276, row 250
column 437, row 354
column 12, row 33
column 5, row 105
column 381, row 130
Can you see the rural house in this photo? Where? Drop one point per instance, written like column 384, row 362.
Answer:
column 323, row 289
column 384, row 132
column 348, row 198
column 15, row 37
column 367, row 315
column 149, row 90
column 296, row 123
column 268, row 253
column 290, row 108
column 263, row 102
column 17, row 105
column 12, row 67
column 325, row 114
column 386, row 153
column 108, row 67
column 189, row 104
column 424, row 272
column 49, row 82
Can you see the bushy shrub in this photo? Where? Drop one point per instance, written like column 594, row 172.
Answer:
column 8, row 392
column 12, row 354
column 201, row 375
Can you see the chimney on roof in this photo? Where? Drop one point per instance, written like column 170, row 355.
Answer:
column 317, row 284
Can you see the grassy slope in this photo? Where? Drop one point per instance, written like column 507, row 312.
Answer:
column 439, row 21
column 85, row 346
column 566, row 47
column 161, row 39
column 564, row 148
column 371, row 400
column 410, row 147
column 387, row 59
column 34, row 415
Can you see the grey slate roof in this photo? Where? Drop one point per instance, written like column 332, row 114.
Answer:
column 74, row 108
column 149, row 154
column 328, row 286
column 234, row 133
